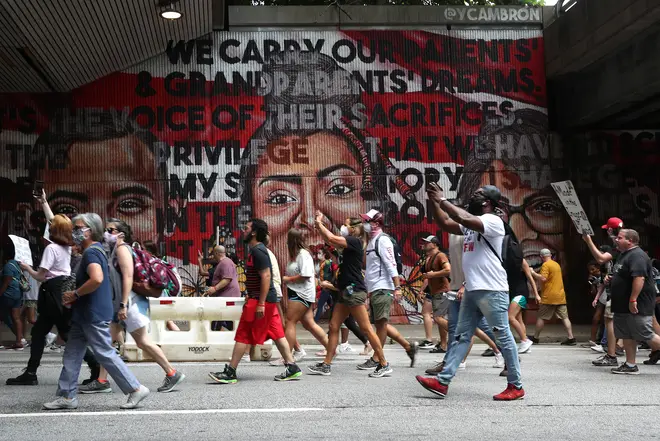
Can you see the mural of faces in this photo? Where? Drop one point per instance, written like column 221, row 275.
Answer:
column 98, row 179
column 328, row 181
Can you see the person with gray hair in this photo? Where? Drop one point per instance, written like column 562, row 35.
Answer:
column 92, row 310
column 553, row 298
column 633, row 300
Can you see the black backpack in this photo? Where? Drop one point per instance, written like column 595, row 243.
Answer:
column 512, row 255
column 397, row 253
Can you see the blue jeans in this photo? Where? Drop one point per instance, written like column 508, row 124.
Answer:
column 494, row 306
column 97, row 336
column 324, row 298
column 454, row 310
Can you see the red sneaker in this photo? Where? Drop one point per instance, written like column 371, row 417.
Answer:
column 432, row 385
column 511, row 393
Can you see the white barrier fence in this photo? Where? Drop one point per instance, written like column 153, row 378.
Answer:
column 199, row 342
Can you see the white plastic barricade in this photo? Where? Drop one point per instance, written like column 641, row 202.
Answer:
column 199, row 343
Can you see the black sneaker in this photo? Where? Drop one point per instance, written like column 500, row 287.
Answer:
column 654, row 357
column 426, row 344
column 619, row 351
column 25, row 379
column 412, row 353
column 643, row 346
column 626, row 370
column 320, row 369
column 292, row 372
column 438, row 350
column 606, row 360
column 381, row 371
column 568, row 342
column 533, row 339
column 504, row 373
column 95, row 387
column 228, row 376
column 170, row 382
column 368, row 365
column 488, row 353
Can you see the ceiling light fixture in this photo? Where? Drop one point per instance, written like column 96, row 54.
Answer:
column 170, row 13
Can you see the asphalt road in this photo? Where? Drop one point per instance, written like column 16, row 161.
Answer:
column 566, row 398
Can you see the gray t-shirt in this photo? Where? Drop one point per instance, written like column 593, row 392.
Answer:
column 226, row 269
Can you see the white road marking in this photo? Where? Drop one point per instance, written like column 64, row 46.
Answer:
column 63, row 413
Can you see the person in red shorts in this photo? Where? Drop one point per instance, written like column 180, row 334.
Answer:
column 260, row 320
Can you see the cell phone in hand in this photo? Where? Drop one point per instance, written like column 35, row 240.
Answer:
column 38, row 189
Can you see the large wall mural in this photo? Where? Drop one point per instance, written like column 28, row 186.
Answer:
column 189, row 145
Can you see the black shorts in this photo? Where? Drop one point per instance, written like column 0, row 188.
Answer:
column 293, row 297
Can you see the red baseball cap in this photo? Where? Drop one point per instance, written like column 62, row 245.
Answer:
column 613, row 222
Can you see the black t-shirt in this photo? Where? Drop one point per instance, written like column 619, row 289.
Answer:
column 350, row 265
column 209, row 279
column 258, row 260
column 518, row 286
column 630, row 264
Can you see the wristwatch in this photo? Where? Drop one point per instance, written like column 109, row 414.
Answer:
column 75, row 293
column 122, row 305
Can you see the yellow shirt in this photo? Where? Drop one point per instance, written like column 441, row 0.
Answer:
column 552, row 292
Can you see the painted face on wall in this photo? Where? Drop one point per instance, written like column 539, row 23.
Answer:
column 325, row 177
column 114, row 178
column 532, row 209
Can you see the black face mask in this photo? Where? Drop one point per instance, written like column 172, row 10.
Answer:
column 476, row 204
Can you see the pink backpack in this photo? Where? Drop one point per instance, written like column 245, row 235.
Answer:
column 154, row 271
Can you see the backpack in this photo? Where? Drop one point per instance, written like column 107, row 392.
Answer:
column 397, row 253
column 115, row 278
column 156, row 272
column 23, row 283
column 512, row 255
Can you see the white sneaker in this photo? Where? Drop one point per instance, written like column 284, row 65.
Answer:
column 462, row 366
column 134, row 398
column 346, row 348
column 525, row 346
column 50, row 338
column 499, row 361
column 299, row 355
column 62, row 403
column 321, row 353
column 598, row 348
column 278, row 362
column 245, row 358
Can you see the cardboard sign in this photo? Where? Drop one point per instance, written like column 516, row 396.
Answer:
column 22, row 248
column 571, row 203
column 47, row 232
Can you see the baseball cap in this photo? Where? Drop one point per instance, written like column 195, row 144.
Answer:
column 545, row 252
column 492, row 193
column 613, row 222
column 432, row 239
column 373, row 216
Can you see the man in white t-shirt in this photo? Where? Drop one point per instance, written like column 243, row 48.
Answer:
column 486, row 286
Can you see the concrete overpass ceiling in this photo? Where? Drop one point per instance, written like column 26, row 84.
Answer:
column 58, row 45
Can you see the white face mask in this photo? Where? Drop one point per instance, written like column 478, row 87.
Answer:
column 344, row 231
column 367, row 228
column 109, row 238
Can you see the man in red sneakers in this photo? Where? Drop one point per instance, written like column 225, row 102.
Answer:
column 486, row 285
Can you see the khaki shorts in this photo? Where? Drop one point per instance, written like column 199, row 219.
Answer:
column 608, row 310
column 440, row 305
column 356, row 299
column 380, row 304
column 546, row 312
